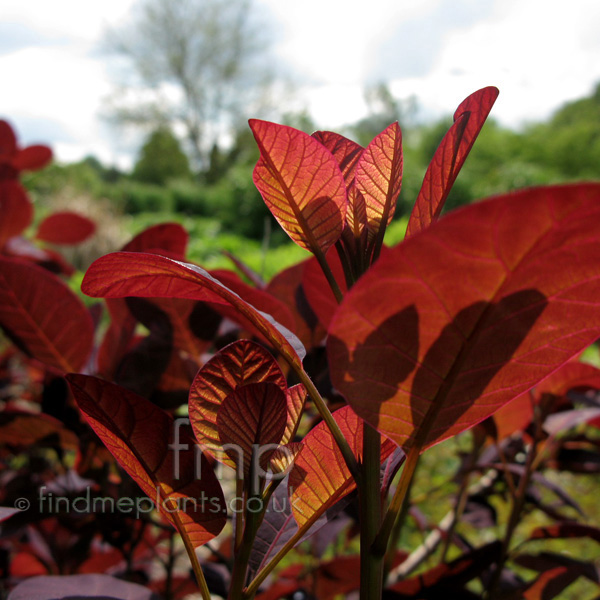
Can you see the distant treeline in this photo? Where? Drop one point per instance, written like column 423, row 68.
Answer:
column 564, row 148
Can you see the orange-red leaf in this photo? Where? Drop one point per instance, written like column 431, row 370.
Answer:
column 320, row 477
column 301, row 183
column 345, row 151
column 379, row 177
column 123, row 274
column 295, row 399
column 240, row 363
column 67, row 228
column 453, row 323
column 157, row 454
column 450, row 157
column 43, row 316
column 250, row 419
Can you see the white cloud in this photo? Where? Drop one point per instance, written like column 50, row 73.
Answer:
column 539, row 57
column 538, row 53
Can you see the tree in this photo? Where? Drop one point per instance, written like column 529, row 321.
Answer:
column 161, row 159
column 196, row 63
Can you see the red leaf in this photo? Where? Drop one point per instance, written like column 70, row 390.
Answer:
column 287, row 287
column 260, row 299
column 32, row 158
column 450, row 157
column 8, row 140
column 454, row 323
column 251, row 417
column 171, row 238
column 67, row 228
column 117, row 338
column 123, row 274
column 345, row 151
column 142, row 438
column 569, row 377
column 320, row 477
column 20, row 247
column 550, row 583
column 16, row 210
column 566, row 530
column 43, row 316
column 514, row 416
column 237, row 364
column 295, row 398
column 379, row 178
column 317, row 290
column 301, row 183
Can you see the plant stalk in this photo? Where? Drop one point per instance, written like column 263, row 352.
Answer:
column 381, row 541
column 371, row 564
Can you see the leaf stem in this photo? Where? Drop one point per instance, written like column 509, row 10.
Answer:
column 200, row 579
column 326, row 415
column 381, row 541
column 333, row 284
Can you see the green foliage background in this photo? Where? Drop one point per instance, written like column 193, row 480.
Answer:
column 222, row 209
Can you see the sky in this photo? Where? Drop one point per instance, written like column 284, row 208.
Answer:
column 539, row 53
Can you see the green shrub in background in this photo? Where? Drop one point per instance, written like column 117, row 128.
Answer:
column 161, row 159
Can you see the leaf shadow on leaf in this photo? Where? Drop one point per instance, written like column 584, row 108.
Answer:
column 455, row 371
column 142, row 367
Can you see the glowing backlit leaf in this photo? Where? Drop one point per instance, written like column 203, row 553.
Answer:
column 452, row 324
column 320, row 477
column 301, row 183
column 123, row 274
column 240, row 363
column 249, row 420
column 379, row 177
column 450, row 157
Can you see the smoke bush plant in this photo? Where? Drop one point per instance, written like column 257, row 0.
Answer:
column 320, row 386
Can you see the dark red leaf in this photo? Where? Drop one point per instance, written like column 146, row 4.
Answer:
column 49, row 259
column 43, row 316
column 287, row 287
column 8, row 141
column 452, row 577
column 452, row 324
column 301, row 183
column 260, row 299
column 317, row 290
column 16, row 210
column 32, row 158
column 566, row 530
column 66, row 228
column 450, row 157
column 157, row 454
column 123, row 274
column 171, row 238
column 249, row 420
